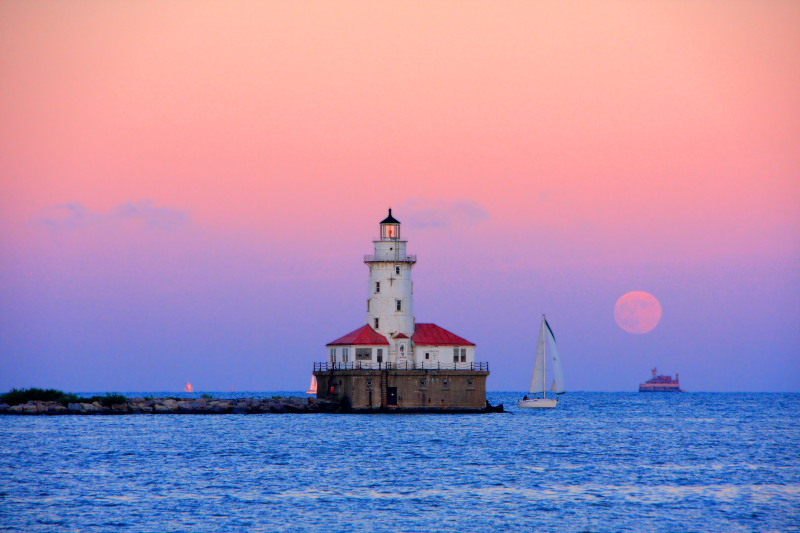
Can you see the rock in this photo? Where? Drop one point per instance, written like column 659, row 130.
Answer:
column 91, row 407
column 4, row 407
column 31, row 407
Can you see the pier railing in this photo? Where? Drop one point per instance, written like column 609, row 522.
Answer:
column 366, row 365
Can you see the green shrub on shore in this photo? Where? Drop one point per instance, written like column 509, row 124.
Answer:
column 109, row 399
column 19, row 396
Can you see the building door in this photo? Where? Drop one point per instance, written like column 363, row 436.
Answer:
column 391, row 395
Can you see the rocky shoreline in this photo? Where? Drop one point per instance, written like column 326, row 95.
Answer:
column 212, row 406
column 198, row 406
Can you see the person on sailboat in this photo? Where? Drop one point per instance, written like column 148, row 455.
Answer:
column 525, row 398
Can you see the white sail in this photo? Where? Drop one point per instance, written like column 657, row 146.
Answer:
column 545, row 350
column 312, row 389
column 555, row 360
column 539, row 369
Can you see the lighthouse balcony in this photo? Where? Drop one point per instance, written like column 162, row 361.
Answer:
column 390, row 258
column 367, row 365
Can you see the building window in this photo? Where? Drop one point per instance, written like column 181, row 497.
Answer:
column 470, row 384
column 445, row 384
column 377, row 323
column 369, row 383
column 463, row 355
column 380, row 355
column 397, row 270
column 427, row 355
column 377, row 286
column 368, row 301
column 399, row 304
column 422, row 384
column 455, row 355
column 363, row 354
column 345, row 354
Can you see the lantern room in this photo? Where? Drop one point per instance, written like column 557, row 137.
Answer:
column 390, row 228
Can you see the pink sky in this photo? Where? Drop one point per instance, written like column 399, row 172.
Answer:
column 221, row 157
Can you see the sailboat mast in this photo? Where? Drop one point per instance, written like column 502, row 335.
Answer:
column 544, row 366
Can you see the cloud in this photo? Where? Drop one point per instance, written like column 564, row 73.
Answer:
column 151, row 214
column 441, row 213
column 75, row 215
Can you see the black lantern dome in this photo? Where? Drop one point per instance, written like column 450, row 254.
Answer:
column 390, row 227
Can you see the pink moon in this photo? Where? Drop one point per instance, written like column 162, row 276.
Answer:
column 638, row 312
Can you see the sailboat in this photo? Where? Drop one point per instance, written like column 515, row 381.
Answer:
column 545, row 350
column 312, row 389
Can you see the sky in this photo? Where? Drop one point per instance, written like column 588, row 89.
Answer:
column 187, row 188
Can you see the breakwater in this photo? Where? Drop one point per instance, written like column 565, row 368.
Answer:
column 155, row 406
column 203, row 406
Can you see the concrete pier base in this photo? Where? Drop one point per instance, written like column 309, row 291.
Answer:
column 416, row 390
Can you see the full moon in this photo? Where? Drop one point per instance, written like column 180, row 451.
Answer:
column 637, row 312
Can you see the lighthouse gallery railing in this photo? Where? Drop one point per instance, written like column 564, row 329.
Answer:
column 360, row 365
column 390, row 258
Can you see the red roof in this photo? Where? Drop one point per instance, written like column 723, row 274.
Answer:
column 433, row 335
column 401, row 336
column 363, row 335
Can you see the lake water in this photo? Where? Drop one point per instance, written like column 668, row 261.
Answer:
column 599, row 462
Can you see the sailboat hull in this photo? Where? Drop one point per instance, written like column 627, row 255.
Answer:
column 538, row 403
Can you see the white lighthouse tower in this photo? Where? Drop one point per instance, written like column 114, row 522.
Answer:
column 391, row 335
column 390, row 303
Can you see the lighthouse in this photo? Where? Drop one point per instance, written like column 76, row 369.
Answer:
column 390, row 298
column 391, row 361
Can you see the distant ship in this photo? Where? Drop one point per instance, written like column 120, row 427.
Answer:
column 660, row 384
column 189, row 387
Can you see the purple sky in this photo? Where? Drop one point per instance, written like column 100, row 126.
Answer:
column 187, row 189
